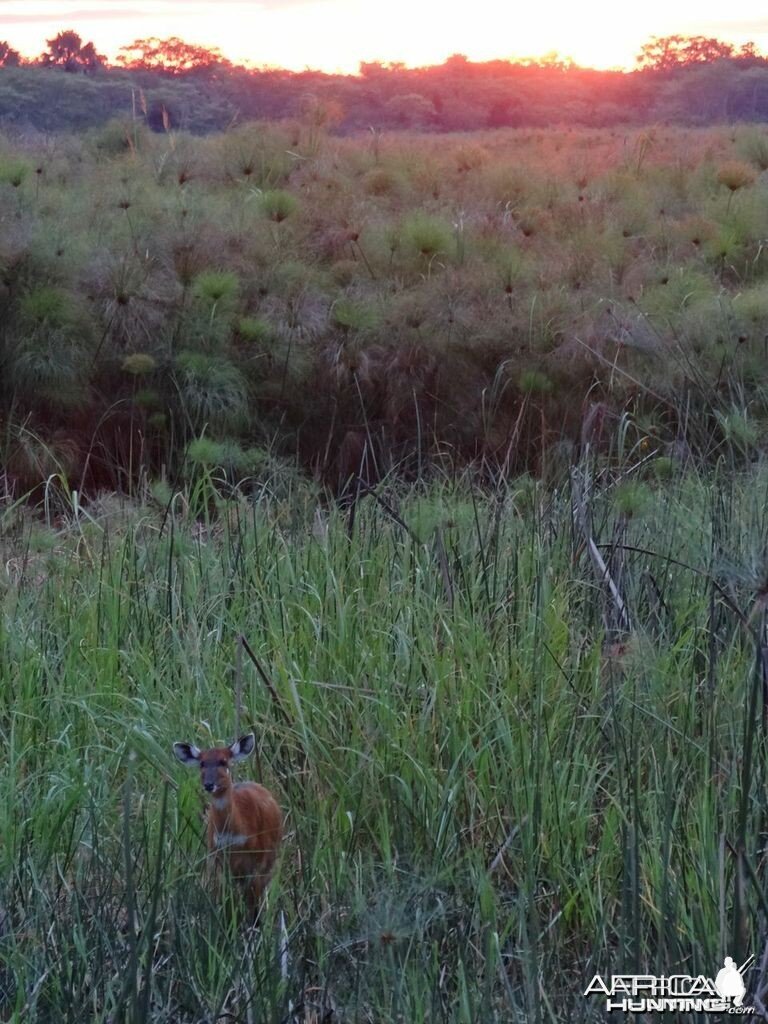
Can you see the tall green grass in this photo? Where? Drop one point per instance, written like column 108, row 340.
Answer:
column 488, row 800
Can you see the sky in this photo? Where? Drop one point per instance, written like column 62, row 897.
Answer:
column 335, row 35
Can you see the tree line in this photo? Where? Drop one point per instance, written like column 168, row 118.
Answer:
column 678, row 78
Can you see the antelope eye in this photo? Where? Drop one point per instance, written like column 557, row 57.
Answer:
column 222, row 764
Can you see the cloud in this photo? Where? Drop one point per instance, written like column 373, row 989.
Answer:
column 106, row 12
column 757, row 26
column 100, row 14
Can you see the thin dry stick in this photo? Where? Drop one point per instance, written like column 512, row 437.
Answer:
column 743, row 619
column 604, row 574
column 445, row 570
column 499, row 858
column 580, row 517
column 238, row 685
column 266, row 680
column 365, row 490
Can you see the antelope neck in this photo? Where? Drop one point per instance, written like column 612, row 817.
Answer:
column 221, row 803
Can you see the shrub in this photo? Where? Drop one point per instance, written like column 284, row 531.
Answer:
column 139, row 364
column 751, row 307
column 13, row 171
column 534, row 382
column 754, row 146
column 118, row 136
column 354, row 316
column 47, row 307
column 738, row 428
column 216, row 286
column 227, row 454
column 632, row 499
column 211, row 389
column 428, row 236
column 51, row 350
column 469, row 158
column 381, row 182
column 735, row 175
column 278, row 205
column 254, row 330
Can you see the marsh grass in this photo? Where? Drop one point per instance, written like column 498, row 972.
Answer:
column 487, row 803
column 239, row 261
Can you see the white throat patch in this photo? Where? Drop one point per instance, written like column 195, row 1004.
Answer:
column 227, row 839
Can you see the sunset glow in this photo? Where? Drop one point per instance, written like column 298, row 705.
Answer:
column 338, row 34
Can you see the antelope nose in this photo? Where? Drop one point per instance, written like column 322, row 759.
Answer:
column 209, row 786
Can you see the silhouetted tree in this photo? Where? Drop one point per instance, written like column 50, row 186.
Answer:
column 377, row 68
column 457, row 62
column 667, row 53
column 551, row 61
column 9, row 58
column 171, row 57
column 750, row 56
column 68, row 51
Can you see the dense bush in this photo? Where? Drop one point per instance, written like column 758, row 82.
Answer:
column 363, row 303
column 459, row 95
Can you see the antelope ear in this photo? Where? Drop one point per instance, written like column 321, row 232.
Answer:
column 243, row 747
column 186, row 753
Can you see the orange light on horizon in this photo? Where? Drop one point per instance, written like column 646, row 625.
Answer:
column 336, row 35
